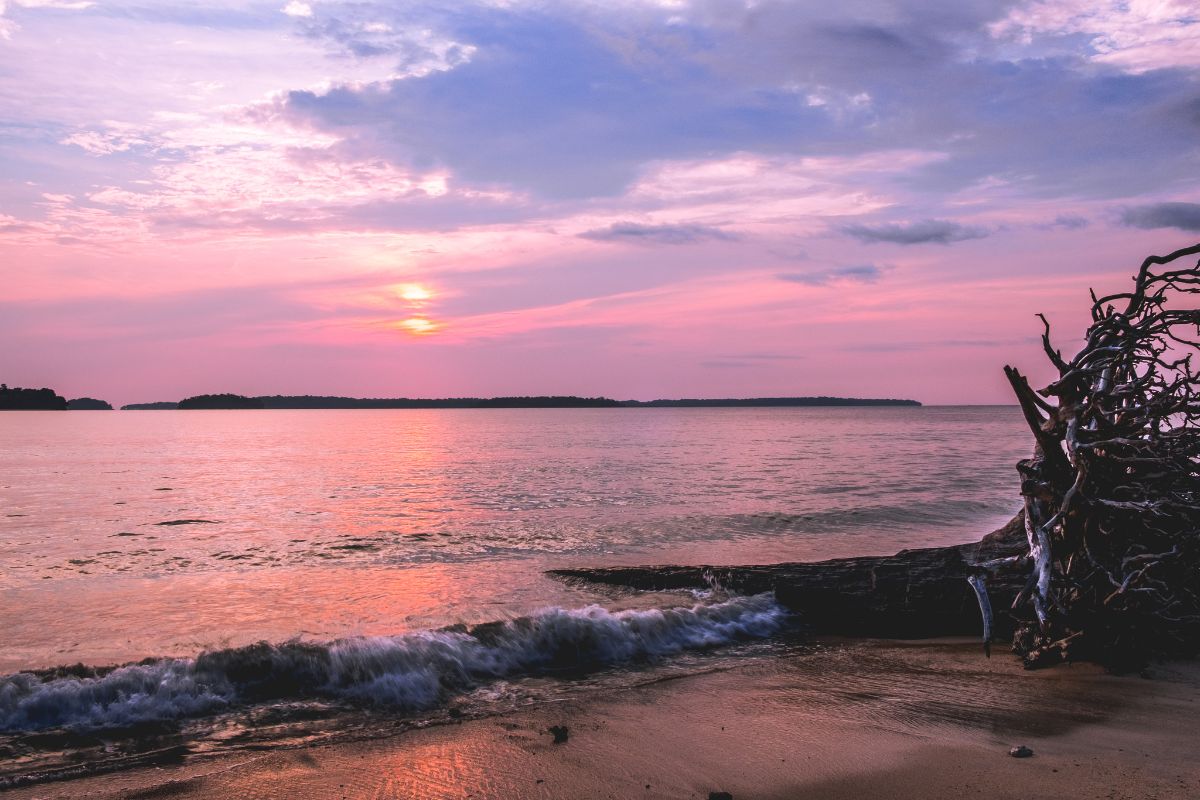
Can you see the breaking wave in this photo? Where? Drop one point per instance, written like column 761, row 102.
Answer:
column 408, row 672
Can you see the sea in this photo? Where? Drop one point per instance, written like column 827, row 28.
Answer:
column 196, row 581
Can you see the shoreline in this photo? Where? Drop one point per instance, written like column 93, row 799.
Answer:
column 854, row 718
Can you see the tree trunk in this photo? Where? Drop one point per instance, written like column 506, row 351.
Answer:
column 913, row 594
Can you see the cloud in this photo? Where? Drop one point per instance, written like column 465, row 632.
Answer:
column 1069, row 221
column 297, row 9
column 566, row 103
column 1136, row 36
column 939, row 344
column 766, row 357
column 1184, row 216
column 717, row 364
column 584, row 101
column 67, row 5
column 936, row 231
column 575, row 100
column 467, row 144
column 8, row 27
column 863, row 273
column 656, row 234
column 412, row 44
column 743, row 360
column 103, row 143
column 594, row 278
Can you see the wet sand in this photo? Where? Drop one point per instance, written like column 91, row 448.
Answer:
column 858, row 719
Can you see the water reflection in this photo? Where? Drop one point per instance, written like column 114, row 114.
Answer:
column 138, row 533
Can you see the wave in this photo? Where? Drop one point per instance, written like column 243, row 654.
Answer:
column 408, row 672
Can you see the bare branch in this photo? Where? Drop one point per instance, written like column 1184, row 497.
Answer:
column 1112, row 491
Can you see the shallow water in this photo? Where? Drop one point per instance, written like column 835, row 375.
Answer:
column 360, row 547
column 125, row 535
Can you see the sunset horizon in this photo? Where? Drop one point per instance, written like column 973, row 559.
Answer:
column 642, row 199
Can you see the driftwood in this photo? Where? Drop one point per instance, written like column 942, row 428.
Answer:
column 1103, row 562
column 915, row 593
column 1112, row 491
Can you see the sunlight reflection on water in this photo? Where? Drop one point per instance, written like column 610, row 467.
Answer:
column 328, row 523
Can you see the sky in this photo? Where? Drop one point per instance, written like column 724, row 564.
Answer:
column 628, row 198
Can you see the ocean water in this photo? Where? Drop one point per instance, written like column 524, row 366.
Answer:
column 350, row 542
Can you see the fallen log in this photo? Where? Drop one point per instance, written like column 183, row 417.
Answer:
column 913, row 594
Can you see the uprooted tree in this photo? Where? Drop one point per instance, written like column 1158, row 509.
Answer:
column 1112, row 491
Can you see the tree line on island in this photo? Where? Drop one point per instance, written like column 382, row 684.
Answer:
column 49, row 400
column 228, row 401
column 17, row 399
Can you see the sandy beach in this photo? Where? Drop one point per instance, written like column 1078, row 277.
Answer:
column 855, row 719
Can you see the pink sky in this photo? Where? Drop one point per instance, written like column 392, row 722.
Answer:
column 634, row 199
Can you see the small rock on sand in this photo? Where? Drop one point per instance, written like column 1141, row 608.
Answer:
column 720, row 796
column 560, row 733
column 1020, row 751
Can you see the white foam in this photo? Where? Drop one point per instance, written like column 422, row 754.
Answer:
column 410, row 672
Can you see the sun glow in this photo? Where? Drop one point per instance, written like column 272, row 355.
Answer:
column 418, row 326
column 414, row 292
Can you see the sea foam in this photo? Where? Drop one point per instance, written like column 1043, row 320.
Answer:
column 408, row 672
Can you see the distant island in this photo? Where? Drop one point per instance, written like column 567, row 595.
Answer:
column 214, row 401
column 88, row 404
column 46, row 399
column 235, row 401
column 766, row 402
column 18, row 399
column 541, row 401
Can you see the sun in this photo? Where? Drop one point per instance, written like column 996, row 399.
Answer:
column 414, row 292
column 418, row 326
